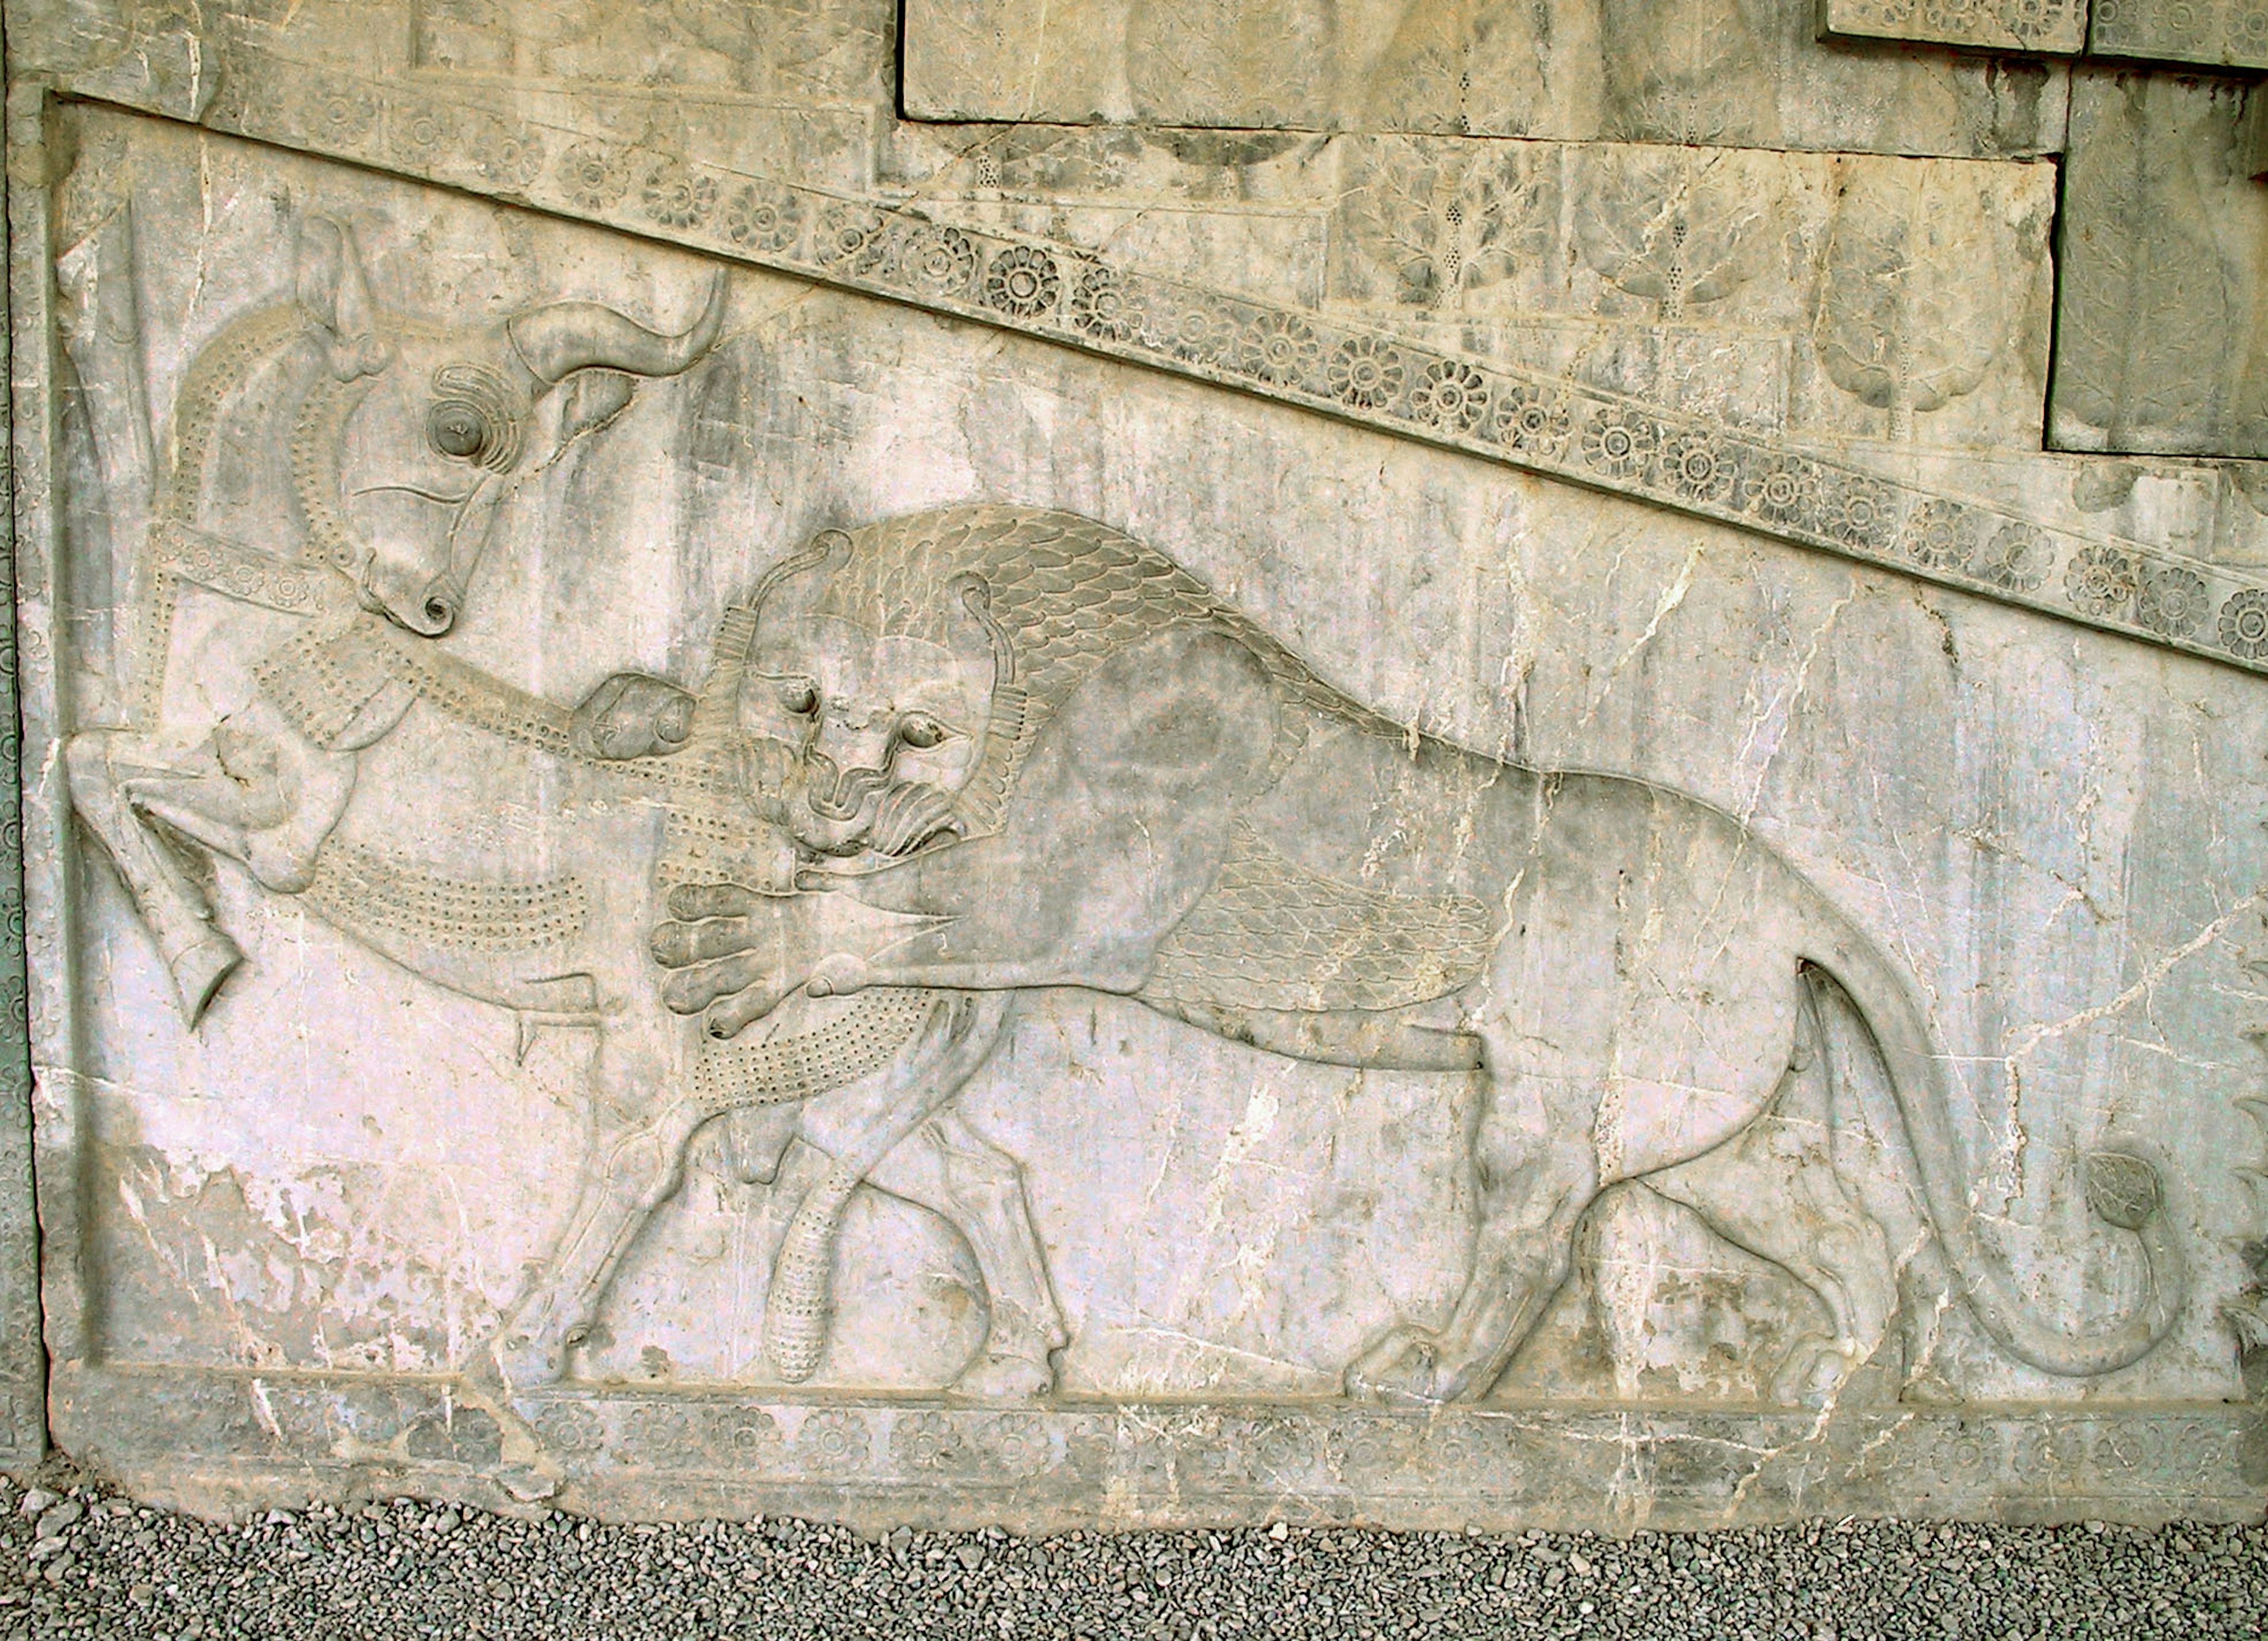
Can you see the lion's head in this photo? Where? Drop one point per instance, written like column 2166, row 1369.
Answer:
column 898, row 674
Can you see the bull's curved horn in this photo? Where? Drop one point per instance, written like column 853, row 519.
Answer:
column 568, row 336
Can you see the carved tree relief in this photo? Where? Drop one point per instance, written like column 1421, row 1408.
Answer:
column 1679, row 232
column 1444, row 225
column 1901, row 326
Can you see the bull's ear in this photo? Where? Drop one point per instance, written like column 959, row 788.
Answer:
column 329, row 282
column 594, row 398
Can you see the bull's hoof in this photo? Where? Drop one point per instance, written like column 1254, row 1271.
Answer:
column 994, row 1377
column 1814, row 1373
column 1404, row 1369
column 522, row 1362
column 199, row 971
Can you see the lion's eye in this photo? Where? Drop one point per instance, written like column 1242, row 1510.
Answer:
column 920, row 731
column 459, row 430
column 799, row 697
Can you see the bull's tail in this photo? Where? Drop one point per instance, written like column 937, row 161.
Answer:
column 2123, row 1190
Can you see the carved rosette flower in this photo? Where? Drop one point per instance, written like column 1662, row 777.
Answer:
column 1278, row 1451
column 335, row 116
column 1370, row 1449
column 570, row 1427
column 675, row 196
column 1367, row 373
column 1939, row 534
column 1015, row 1443
column 590, row 176
column 2248, row 32
column 1693, row 464
column 1022, row 280
column 509, row 155
column 1618, row 442
column 425, row 137
column 1858, row 511
column 1532, row 420
column 1457, row 1448
column 1104, row 306
column 2173, row 601
column 754, row 1437
column 2244, row 624
column 1278, row 347
column 1784, row 491
column 1451, row 395
column 1198, row 331
column 2017, row 556
column 855, row 237
column 939, row 261
column 926, row 1442
column 763, row 217
column 833, row 1440
column 2102, row 581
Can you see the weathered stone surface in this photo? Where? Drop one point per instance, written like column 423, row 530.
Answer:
column 1308, row 892
column 23, row 1368
column 1737, row 72
column 2215, row 33
column 2158, row 339
column 2056, row 26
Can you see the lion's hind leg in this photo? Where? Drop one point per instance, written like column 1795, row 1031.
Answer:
column 949, row 1168
column 1537, row 1172
column 1774, row 1190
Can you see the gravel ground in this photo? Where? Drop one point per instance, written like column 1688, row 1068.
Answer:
column 75, row 1560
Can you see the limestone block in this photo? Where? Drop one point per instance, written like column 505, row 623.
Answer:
column 1732, row 73
column 677, row 884
column 2031, row 26
column 2158, row 339
column 2215, row 33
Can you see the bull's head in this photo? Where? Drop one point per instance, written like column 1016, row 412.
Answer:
column 416, row 432
column 887, row 719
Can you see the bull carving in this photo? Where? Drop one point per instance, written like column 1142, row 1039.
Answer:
column 325, row 461
column 1019, row 749
column 330, row 473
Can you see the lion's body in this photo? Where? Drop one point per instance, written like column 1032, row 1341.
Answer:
column 1163, row 802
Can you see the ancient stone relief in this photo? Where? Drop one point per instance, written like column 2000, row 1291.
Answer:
column 814, row 875
column 2157, row 334
column 821, row 955
column 1716, row 72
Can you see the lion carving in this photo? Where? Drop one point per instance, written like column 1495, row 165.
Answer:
column 1018, row 749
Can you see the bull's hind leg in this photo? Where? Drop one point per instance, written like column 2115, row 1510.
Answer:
column 845, row 1137
column 949, row 1168
column 637, row 1176
column 1537, row 1172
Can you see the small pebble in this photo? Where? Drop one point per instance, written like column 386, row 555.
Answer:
column 35, row 1500
column 381, row 1574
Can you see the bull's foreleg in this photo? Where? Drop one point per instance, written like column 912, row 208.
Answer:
column 100, row 764
column 267, row 797
column 954, row 1171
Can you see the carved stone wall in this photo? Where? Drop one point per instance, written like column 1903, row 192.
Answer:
column 1176, row 794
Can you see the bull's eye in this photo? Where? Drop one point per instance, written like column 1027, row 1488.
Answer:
column 799, row 697
column 476, row 417
column 460, row 430
column 920, row 731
